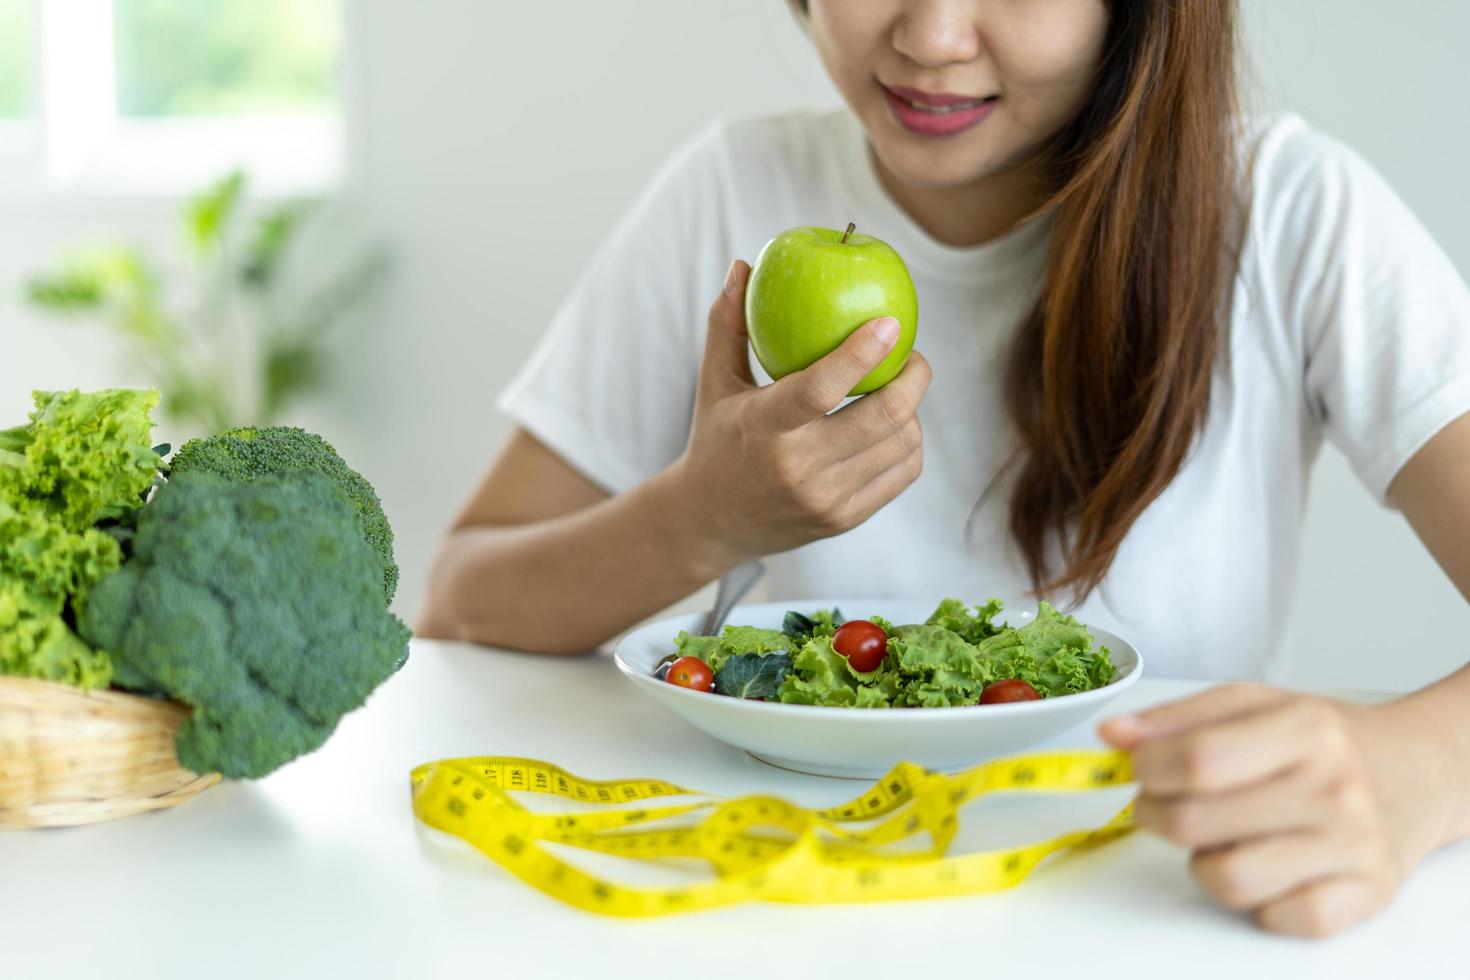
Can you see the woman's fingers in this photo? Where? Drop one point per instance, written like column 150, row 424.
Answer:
column 805, row 396
column 1252, row 874
column 880, row 430
column 1239, row 750
column 880, row 414
column 1216, row 704
column 1305, row 884
column 884, row 487
column 1321, row 908
column 1291, row 802
column 726, row 365
column 858, row 470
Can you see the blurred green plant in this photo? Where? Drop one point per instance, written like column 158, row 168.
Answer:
column 247, row 342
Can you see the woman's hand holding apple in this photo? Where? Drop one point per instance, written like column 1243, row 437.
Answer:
column 767, row 468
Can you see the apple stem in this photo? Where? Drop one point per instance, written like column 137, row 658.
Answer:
column 845, row 234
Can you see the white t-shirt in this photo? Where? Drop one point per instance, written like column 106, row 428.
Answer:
column 1346, row 320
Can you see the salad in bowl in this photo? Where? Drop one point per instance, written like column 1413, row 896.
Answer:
column 808, row 689
column 957, row 656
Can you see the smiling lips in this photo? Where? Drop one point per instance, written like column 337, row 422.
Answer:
column 936, row 114
column 931, row 100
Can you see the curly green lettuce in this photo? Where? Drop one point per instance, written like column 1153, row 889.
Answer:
column 83, row 458
column 1055, row 655
column 939, row 668
column 971, row 626
column 46, row 573
column 822, row 676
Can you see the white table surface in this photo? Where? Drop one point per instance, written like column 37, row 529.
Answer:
column 321, row 870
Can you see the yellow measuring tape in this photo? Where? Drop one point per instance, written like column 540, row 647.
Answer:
column 759, row 847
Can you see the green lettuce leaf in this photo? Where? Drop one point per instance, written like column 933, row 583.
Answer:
column 689, row 645
column 800, row 627
column 752, row 639
column 737, row 640
column 1053, row 653
column 820, row 675
column 752, row 675
column 879, row 695
column 972, row 627
column 43, row 567
column 715, row 650
column 934, row 694
column 81, row 459
column 920, row 650
column 1050, row 631
column 1065, row 672
column 939, row 667
column 87, row 457
column 43, row 647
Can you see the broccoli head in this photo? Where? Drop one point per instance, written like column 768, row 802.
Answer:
column 259, row 605
column 249, row 453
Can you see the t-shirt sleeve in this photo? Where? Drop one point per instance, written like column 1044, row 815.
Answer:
column 1384, row 315
column 610, row 386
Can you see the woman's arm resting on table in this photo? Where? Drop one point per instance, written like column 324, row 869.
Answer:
column 508, row 572
column 1311, row 812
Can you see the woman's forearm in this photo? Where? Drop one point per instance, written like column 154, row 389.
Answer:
column 1434, row 725
column 568, row 584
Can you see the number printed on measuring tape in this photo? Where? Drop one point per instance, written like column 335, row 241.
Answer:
column 759, row 848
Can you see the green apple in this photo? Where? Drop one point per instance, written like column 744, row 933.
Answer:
column 812, row 287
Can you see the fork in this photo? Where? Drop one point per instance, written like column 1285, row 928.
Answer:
column 733, row 586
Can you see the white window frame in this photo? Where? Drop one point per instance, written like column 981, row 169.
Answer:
column 76, row 144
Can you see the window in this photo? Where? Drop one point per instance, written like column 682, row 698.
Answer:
column 17, row 74
column 225, row 57
column 161, row 96
column 15, row 59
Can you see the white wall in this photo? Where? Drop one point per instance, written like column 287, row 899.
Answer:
column 494, row 143
column 501, row 142
column 1373, row 609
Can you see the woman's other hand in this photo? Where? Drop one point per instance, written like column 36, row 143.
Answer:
column 1305, row 811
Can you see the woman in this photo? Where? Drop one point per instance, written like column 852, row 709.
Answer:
column 1142, row 312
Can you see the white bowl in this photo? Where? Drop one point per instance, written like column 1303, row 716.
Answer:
column 865, row 742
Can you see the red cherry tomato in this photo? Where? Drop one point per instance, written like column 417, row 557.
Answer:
column 862, row 643
column 691, row 672
column 1013, row 689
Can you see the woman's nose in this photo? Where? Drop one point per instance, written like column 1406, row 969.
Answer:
column 934, row 33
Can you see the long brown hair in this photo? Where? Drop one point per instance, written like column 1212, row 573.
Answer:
column 1109, row 381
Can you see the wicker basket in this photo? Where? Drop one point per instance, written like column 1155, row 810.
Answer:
column 69, row 756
